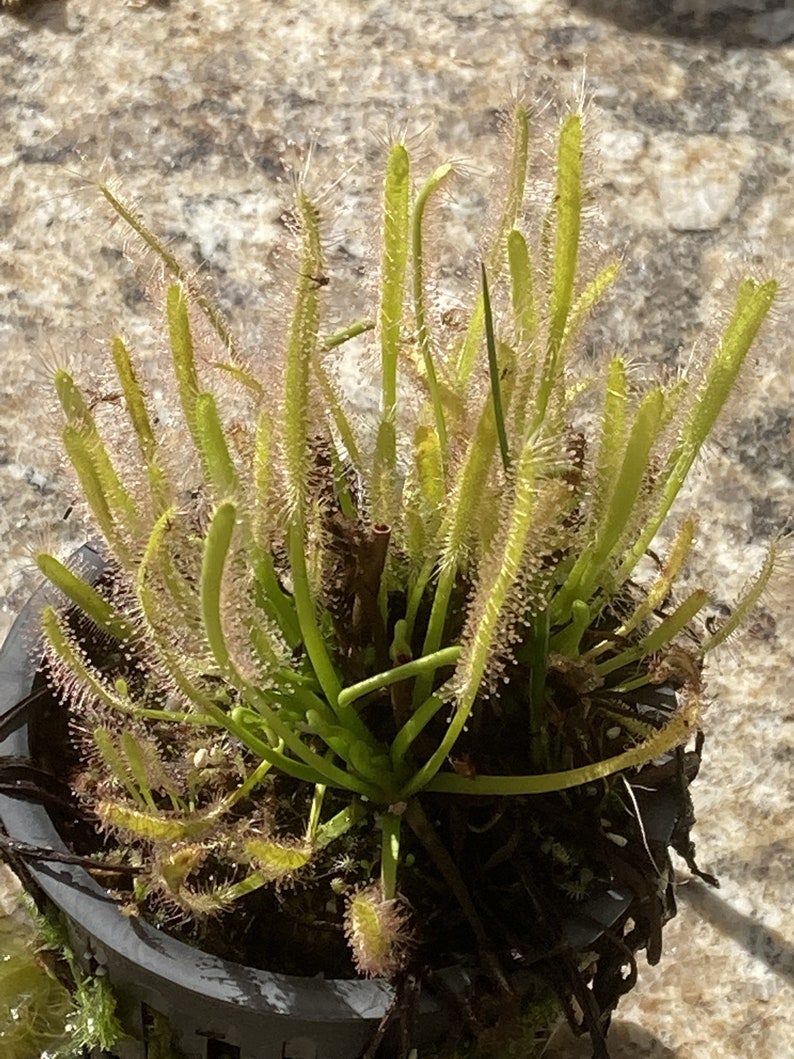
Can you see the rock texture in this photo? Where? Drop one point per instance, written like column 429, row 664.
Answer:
column 196, row 105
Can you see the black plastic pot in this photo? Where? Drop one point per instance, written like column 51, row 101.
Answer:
column 216, row 1009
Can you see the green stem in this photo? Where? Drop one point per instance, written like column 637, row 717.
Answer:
column 313, row 641
column 390, row 854
column 675, row 733
column 409, row 732
column 427, row 664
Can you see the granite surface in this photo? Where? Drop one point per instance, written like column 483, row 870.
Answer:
column 196, row 106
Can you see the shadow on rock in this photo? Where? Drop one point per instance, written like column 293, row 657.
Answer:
column 764, row 943
column 735, row 23
column 626, row 1040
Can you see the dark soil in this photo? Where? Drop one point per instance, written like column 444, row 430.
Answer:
column 530, row 865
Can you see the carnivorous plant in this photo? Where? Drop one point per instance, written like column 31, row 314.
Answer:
column 323, row 655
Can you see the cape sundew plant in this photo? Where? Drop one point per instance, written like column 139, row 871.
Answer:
column 292, row 666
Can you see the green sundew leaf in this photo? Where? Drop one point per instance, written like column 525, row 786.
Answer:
column 384, row 474
column 153, row 825
column 396, row 204
column 244, row 724
column 74, row 406
column 583, row 579
column 568, row 212
column 664, row 632
column 434, row 182
column 182, row 353
column 315, row 809
column 250, row 884
column 415, row 534
column 494, row 259
column 86, row 597
column 517, row 177
column 336, row 727
column 676, row 623
column 265, row 641
column 640, row 729
column 376, row 932
column 342, row 487
column 133, row 397
column 468, row 488
column 522, row 294
column 568, row 204
column 415, row 724
column 373, row 768
column 525, row 323
column 139, row 417
column 91, row 449
column 277, row 860
column 335, row 736
column 243, row 376
column 341, row 422
column 215, row 456
column 675, row 733
column 273, row 600
column 459, row 524
column 338, row 338
column 447, row 656
column 268, row 593
column 174, row 869
column 753, row 302
column 232, row 721
column 394, row 258
column 588, row 299
column 132, row 218
column 748, row 601
column 116, row 763
column 663, row 585
column 82, row 459
column 130, row 748
column 339, row 824
column 216, row 549
column 301, row 351
column 173, row 589
column 567, row 641
column 62, row 644
column 492, row 595
column 613, row 436
column 429, row 467
column 262, row 514
column 305, row 609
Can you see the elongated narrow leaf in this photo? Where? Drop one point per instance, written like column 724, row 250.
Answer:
column 495, row 259
column 184, row 360
column 394, row 258
column 86, row 597
column 301, row 350
column 434, row 182
column 141, row 423
column 215, row 456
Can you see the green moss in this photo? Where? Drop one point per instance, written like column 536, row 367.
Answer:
column 34, row 1005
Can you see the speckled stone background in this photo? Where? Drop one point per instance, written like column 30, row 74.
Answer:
column 194, row 105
